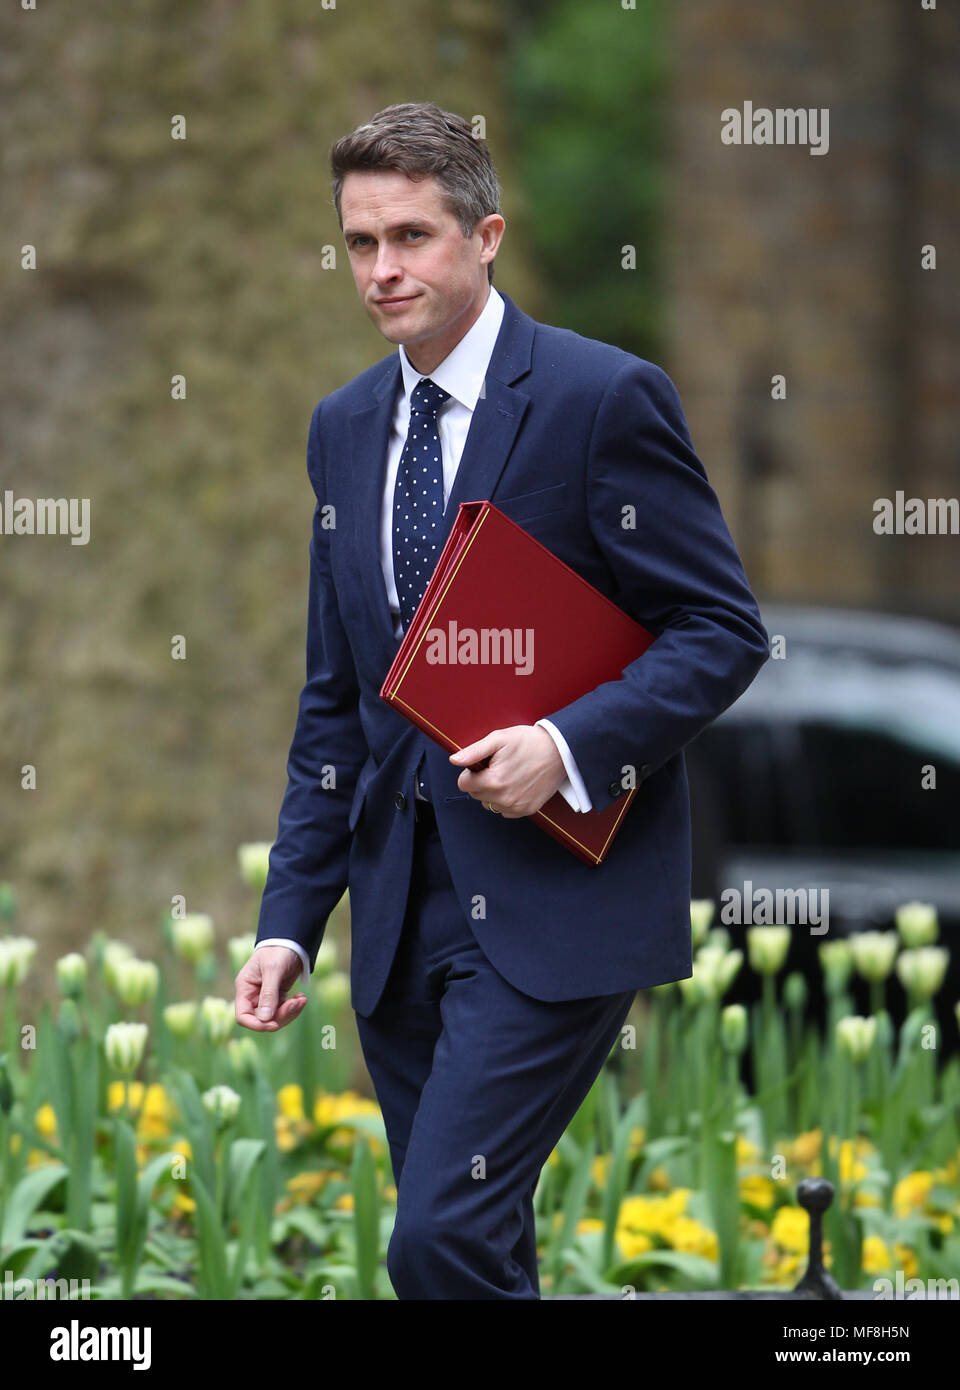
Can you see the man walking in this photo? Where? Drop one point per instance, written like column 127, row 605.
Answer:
column 491, row 970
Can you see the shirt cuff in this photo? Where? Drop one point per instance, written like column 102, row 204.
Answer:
column 573, row 789
column 294, row 946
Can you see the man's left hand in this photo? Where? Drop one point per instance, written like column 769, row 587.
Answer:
column 523, row 772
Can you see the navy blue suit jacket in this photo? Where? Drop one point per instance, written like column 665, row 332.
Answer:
column 568, row 433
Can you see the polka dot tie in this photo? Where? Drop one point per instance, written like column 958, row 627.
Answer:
column 418, row 499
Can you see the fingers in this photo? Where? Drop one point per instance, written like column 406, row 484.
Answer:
column 258, row 990
column 289, row 1010
column 477, row 752
column 269, row 999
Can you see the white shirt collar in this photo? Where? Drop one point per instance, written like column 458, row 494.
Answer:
column 462, row 371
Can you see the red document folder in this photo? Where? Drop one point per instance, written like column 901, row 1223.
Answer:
column 458, row 674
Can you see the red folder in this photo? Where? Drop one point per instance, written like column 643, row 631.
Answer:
column 505, row 634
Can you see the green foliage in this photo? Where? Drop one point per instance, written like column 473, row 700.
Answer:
column 587, row 90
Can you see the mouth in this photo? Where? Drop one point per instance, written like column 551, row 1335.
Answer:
column 395, row 302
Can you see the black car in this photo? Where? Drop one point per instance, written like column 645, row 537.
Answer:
column 839, row 770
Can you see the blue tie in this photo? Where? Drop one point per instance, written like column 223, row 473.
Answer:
column 418, row 499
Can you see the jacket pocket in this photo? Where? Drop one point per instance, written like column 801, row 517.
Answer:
column 525, row 506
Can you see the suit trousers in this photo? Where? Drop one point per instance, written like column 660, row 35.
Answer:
column 477, row 1082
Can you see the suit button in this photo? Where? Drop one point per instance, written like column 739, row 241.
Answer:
column 399, row 800
column 614, row 788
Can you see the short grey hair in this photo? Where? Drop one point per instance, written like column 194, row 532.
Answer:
column 419, row 139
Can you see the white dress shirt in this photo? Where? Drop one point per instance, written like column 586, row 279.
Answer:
column 461, row 375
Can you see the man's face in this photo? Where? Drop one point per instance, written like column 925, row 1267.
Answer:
column 422, row 282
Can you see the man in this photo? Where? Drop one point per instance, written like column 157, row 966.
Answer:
column 491, row 969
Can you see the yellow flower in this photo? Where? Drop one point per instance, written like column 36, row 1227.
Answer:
column 157, row 1112
column 285, row 1133
column 36, row 1158
column 805, row 1148
column 638, row 1137
column 791, row 1229
column 948, row 1173
column 787, row 1267
column 553, row 1157
column 906, row 1259
column 182, row 1202
column 850, row 1169
column 863, row 1197
column 652, row 1215
column 290, row 1102
column 121, row 1093
column 911, row 1193
column 746, row 1152
column 875, row 1256
column 660, row 1179
column 589, row 1223
column 155, row 1108
column 303, row 1187
column 630, row 1243
column 758, row 1191
column 339, row 1137
column 45, row 1121
column 330, row 1108
column 696, row 1239
column 390, row 1192
column 344, row 1201
column 599, row 1168
column 182, row 1146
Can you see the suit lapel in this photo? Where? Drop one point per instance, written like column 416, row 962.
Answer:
column 493, row 430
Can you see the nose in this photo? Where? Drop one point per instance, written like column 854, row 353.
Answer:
column 385, row 268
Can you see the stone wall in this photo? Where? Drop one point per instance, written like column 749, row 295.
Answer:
column 783, row 261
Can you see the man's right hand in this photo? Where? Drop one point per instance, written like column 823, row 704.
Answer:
column 262, row 984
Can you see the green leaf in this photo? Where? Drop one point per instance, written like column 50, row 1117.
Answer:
column 244, row 1154
column 366, row 1216
column 212, row 1278
column 701, row 1272
column 592, row 1281
column 154, row 1281
column 146, row 1183
column 15, row 1259
column 67, row 1254
column 26, row 1197
column 197, row 1124
column 368, row 1124
column 125, row 1160
column 617, row 1177
column 307, row 1223
column 573, row 1204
